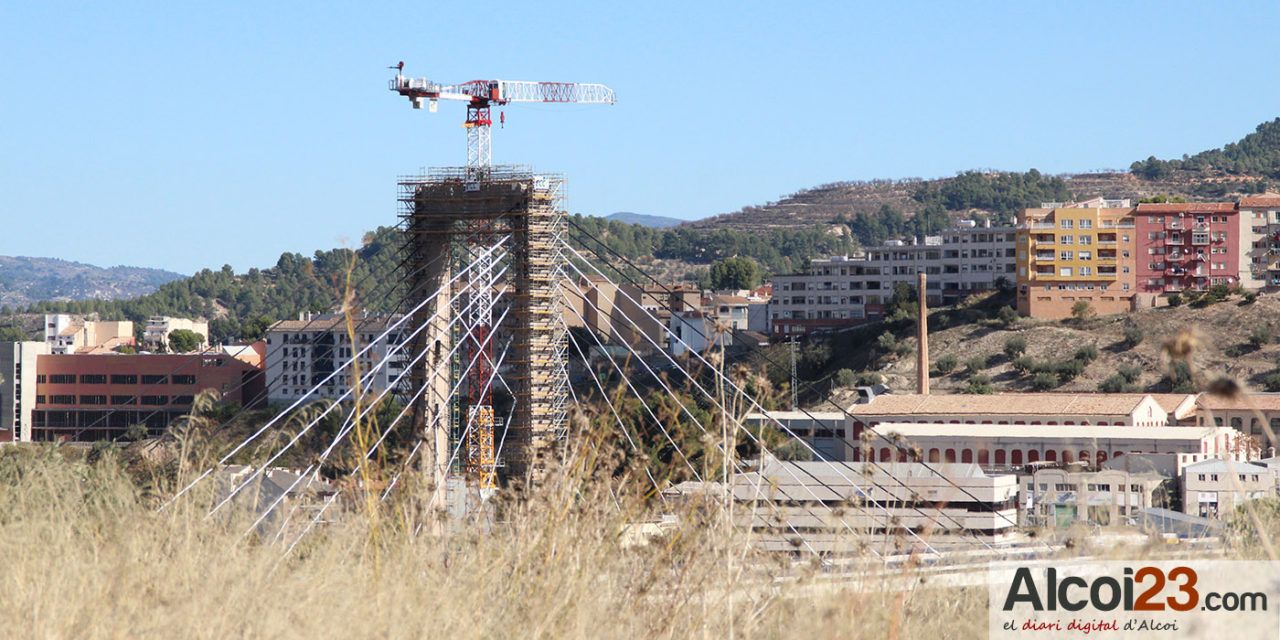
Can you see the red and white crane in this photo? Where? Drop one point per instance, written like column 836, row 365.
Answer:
column 482, row 95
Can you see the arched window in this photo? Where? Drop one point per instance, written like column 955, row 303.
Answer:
column 1050, row 456
column 1000, row 459
column 951, row 455
column 1236, row 423
column 966, row 455
column 1102, row 457
column 1066, row 457
column 1015, row 458
column 886, row 455
column 934, row 455
column 984, row 456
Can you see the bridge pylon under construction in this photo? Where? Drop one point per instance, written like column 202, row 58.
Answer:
column 494, row 379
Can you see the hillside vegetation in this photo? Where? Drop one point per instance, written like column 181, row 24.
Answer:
column 24, row 280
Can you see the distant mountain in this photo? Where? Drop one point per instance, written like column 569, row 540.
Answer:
column 645, row 220
column 25, row 280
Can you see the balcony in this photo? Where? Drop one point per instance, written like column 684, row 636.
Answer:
column 1174, row 240
column 1171, row 270
column 1116, row 225
column 1046, row 255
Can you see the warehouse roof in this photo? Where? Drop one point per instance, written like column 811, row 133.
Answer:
column 1048, row 432
column 1040, row 404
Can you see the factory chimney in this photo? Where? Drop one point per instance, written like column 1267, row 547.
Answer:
column 922, row 333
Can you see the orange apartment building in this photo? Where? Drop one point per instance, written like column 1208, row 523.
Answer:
column 1068, row 253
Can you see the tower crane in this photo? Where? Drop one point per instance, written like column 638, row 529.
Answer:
column 481, row 96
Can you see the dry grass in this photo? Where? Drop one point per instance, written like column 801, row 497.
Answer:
column 88, row 555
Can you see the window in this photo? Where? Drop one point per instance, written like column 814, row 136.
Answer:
column 1086, row 239
column 184, row 379
column 93, row 378
column 62, row 399
column 1086, row 224
column 1066, row 255
column 41, row 379
column 1136, row 488
column 39, row 399
column 124, row 400
column 130, row 378
column 63, row 378
column 1066, row 224
column 155, row 379
column 154, row 401
column 1065, row 272
column 1062, row 487
column 94, row 400
column 184, row 400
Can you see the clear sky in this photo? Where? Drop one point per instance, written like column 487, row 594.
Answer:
column 183, row 137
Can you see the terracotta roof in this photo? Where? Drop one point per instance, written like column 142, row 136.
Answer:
column 1187, row 207
column 1269, row 200
column 1078, row 432
column 729, row 300
column 1057, row 404
column 1242, row 402
column 1170, row 402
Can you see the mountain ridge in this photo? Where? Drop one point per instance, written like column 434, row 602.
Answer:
column 28, row 279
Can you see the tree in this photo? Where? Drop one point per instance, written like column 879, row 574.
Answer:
column 737, row 272
column 1082, row 310
column 980, row 385
column 946, row 364
column 846, row 378
column 1044, row 381
column 184, row 341
column 1007, row 316
column 1132, row 335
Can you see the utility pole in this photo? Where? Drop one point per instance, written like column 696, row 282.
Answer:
column 795, row 405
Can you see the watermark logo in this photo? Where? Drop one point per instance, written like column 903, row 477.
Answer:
column 1138, row 599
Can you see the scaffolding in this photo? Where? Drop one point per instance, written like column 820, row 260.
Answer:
column 447, row 216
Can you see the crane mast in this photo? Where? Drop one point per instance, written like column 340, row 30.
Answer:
column 479, row 463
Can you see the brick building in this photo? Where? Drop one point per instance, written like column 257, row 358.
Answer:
column 97, row 397
column 1192, row 245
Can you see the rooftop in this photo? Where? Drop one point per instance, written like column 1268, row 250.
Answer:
column 329, row 322
column 1031, row 404
column 1240, row 402
column 1224, row 466
column 1265, row 200
column 1046, row 432
column 1187, row 207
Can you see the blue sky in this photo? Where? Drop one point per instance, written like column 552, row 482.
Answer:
column 189, row 137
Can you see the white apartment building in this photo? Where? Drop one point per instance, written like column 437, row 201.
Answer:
column 302, row 353
column 1260, row 216
column 848, row 290
column 68, row 333
column 156, row 335
column 18, row 388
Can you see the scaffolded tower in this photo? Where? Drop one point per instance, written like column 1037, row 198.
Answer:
column 449, row 220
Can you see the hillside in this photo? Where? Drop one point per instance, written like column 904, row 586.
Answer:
column 1221, row 337
column 24, row 280
column 1238, row 168
column 644, row 220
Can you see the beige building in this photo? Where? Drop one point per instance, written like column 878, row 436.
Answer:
column 66, row 333
column 1059, row 497
column 996, row 445
column 1128, row 409
column 1252, row 414
column 1214, row 488
column 628, row 314
column 1261, row 215
column 156, row 335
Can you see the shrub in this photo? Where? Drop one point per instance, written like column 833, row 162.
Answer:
column 1015, row 346
column 1130, row 372
column 1260, row 336
column 869, row 379
column 946, row 364
column 1087, row 354
column 1068, row 370
column 1023, row 364
column 1250, row 297
column 1007, row 316
column 1044, row 381
column 887, row 343
column 1271, row 382
column 980, row 385
column 1132, row 335
column 1179, row 380
column 1114, row 383
column 846, row 378
column 975, row 364
column 1082, row 311
column 1175, row 300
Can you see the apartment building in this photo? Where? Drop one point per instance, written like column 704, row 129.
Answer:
column 1214, row 488
column 18, row 388
column 843, row 291
column 1193, row 246
column 1262, row 215
column 302, row 354
column 155, row 336
column 1076, row 252
column 68, row 333
column 97, row 397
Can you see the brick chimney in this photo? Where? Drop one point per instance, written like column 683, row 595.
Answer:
column 922, row 333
